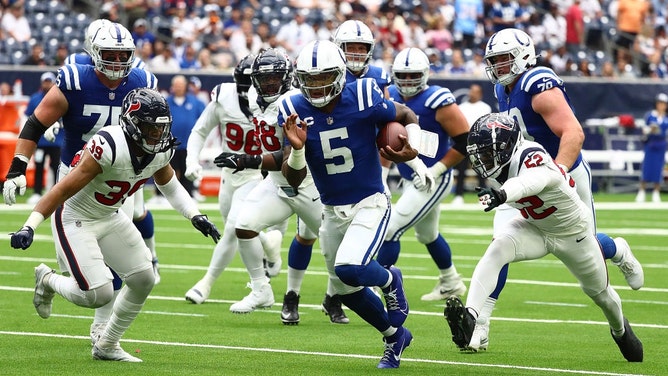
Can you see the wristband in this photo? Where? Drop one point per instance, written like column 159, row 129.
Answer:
column 414, row 135
column 34, row 220
column 438, row 169
column 297, row 159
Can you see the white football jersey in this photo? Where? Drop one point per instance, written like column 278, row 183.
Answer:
column 119, row 178
column 270, row 133
column 544, row 194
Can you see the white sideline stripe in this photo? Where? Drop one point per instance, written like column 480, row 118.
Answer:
column 319, row 353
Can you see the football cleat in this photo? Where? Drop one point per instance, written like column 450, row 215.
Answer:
column 198, row 293
column 460, row 321
column 332, row 308
column 393, row 350
column 290, row 311
column 272, row 249
column 480, row 337
column 395, row 299
column 156, row 270
column 43, row 294
column 96, row 330
column 115, row 352
column 262, row 298
column 445, row 289
column 629, row 265
column 629, row 344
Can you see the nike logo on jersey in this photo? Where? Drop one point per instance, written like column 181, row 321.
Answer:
column 581, row 239
column 102, row 141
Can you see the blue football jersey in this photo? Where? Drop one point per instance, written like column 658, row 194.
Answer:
column 91, row 104
column 425, row 104
column 341, row 149
column 379, row 74
column 517, row 104
column 86, row 59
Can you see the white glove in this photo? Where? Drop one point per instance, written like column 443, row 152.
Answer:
column 423, row 180
column 193, row 171
column 52, row 131
column 11, row 186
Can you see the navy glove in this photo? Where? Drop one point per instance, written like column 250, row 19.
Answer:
column 491, row 197
column 202, row 223
column 238, row 161
column 23, row 237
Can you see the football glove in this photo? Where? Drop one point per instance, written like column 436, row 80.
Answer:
column 193, row 171
column 238, row 161
column 22, row 238
column 52, row 131
column 15, row 181
column 206, row 227
column 423, row 180
column 491, row 197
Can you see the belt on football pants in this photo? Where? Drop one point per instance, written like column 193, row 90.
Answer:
column 289, row 191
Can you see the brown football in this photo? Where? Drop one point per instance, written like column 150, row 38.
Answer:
column 389, row 135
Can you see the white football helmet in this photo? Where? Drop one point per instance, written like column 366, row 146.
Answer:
column 93, row 28
column 321, row 72
column 113, row 37
column 353, row 31
column 410, row 71
column 518, row 46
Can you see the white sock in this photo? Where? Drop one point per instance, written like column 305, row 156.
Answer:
column 295, row 279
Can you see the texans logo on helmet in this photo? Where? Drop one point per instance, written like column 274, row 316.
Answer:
column 495, row 124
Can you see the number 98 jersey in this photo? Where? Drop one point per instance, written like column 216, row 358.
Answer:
column 107, row 191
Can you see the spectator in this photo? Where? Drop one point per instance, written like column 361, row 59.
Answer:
column 195, row 88
column 15, row 24
column 141, row 34
column 435, row 62
column 244, row 41
column 45, row 148
column 134, row 10
column 37, row 56
column 631, row 15
column 438, row 36
column 61, row 54
column 575, row 28
column 165, row 61
column 185, row 24
column 205, row 62
column 145, row 53
column 457, row 65
column 294, row 35
column 555, row 27
column 505, row 14
column 467, row 15
column 189, row 59
column 655, row 131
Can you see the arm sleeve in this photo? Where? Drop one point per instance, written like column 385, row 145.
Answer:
column 530, row 182
column 179, row 198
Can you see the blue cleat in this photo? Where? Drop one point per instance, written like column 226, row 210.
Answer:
column 395, row 299
column 393, row 350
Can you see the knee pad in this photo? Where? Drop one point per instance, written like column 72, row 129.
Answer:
column 98, row 296
column 141, row 282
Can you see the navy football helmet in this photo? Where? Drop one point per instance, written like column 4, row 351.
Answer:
column 242, row 74
column 272, row 74
column 492, row 141
column 147, row 120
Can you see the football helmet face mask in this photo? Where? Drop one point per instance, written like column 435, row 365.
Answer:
column 147, row 120
column 90, row 32
column 321, row 72
column 272, row 74
column 242, row 74
column 113, row 50
column 509, row 53
column 410, row 71
column 492, row 141
column 355, row 39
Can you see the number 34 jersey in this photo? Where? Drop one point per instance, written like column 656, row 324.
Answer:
column 122, row 175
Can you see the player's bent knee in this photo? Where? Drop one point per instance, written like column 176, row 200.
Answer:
column 351, row 275
column 142, row 281
column 97, row 297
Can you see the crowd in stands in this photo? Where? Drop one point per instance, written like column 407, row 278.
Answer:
column 587, row 38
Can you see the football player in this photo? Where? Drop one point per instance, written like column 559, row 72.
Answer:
column 114, row 163
column 335, row 135
column 536, row 97
column 438, row 112
column 87, row 98
column 230, row 113
column 273, row 201
column 554, row 220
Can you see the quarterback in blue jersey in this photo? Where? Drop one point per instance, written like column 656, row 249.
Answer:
column 439, row 114
column 357, row 42
column 536, row 98
column 335, row 135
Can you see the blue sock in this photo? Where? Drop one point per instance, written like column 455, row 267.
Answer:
column 117, row 282
column 145, row 226
column 503, row 275
column 440, row 252
column 299, row 255
column 607, row 245
column 369, row 307
column 389, row 253
column 371, row 274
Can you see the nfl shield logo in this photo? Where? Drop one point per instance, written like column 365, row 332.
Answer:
column 330, row 120
column 112, row 95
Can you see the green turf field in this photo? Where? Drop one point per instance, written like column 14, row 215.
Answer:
column 543, row 323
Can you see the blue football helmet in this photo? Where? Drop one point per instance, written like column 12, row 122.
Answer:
column 492, row 141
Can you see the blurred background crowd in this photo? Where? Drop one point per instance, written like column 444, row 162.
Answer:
column 588, row 38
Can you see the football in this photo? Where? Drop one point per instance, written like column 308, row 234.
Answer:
column 389, row 135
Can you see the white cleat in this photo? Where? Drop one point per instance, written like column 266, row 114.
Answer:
column 480, row 337
column 262, row 298
column 272, row 249
column 43, row 293
column 115, row 352
column 156, row 271
column 96, row 330
column 629, row 265
column 446, row 288
column 198, row 293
